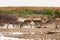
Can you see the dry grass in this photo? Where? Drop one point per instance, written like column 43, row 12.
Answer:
column 29, row 7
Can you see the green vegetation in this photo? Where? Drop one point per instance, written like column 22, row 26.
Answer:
column 26, row 12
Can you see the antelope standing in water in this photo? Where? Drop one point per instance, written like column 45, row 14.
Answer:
column 7, row 19
column 28, row 21
column 37, row 21
column 57, row 22
column 18, row 24
column 4, row 22
column 44, row 21
column 40, row 21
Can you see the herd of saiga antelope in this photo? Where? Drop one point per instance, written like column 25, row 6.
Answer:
column 38, row 21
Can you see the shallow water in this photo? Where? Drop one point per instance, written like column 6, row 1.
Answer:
column 9, row 38
column 2, row 37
